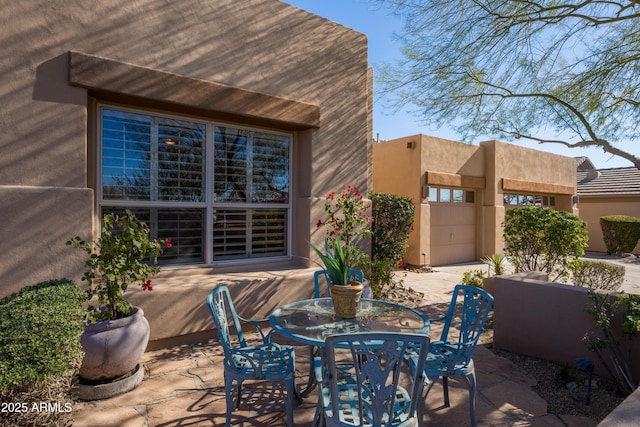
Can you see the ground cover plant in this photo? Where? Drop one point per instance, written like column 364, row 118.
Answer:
column 40, row 353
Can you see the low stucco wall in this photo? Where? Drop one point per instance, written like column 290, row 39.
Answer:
column 547, row 320
column 176, row 308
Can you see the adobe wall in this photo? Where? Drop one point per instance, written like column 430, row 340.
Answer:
column 491, row 168
column 258, row 49
column 397, row 170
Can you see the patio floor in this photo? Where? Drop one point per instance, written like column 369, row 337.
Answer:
column 183, row 386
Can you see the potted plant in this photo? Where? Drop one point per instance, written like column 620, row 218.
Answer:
column 346, row 223
column 337, row 260
column 116, row 333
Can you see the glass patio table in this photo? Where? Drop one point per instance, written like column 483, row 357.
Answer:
column 311, row 321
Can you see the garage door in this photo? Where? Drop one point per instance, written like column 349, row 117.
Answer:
column 453, row 232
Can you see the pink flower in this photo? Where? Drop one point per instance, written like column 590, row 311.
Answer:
column 169, row 244
column 319, row 223
column 400, row 263
column 146, row 286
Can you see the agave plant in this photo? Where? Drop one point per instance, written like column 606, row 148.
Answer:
column 497, row 262
column 337, row 259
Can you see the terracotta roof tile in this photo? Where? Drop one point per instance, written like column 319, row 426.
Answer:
column 608, row 181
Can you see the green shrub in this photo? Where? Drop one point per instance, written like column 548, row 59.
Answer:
column 379, row 273
column 598, row 274
column 620, row 233
column 392, row 224
column 613, row 350
column 543, row 239
column 40, row 350
column 473, row 278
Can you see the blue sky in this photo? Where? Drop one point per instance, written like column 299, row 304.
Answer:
column 379, row 26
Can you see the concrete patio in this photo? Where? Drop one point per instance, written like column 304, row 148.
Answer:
column 183, row 386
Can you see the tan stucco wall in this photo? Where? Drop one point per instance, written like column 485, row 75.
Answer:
column 592, row 208
column 397, row 170
column 232, row 52
column 490, row 169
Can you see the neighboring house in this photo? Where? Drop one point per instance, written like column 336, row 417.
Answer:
column 603, row 192
column 223, row 123
column 462, row 191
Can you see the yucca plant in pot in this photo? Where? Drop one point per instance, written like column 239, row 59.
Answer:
column 346, row 224
column 116, row 333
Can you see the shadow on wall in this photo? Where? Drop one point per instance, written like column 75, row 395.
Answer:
column 548, row 321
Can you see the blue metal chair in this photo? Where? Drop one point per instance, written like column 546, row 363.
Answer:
column 369, row 392
column 452, row 354
column 266, row 361
column 322, row 276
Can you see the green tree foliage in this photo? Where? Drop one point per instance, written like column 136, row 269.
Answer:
column 510, row 68
column 543, row 239
column 620, row 233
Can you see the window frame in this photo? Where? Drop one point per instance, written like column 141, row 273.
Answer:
column 515, row 199
column 208, row 204
column 460, row 200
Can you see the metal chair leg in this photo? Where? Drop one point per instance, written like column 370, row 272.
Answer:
column 471, row 382
column 228, row 383
column 445, row 387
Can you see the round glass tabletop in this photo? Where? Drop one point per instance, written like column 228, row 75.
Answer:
column 311, row 321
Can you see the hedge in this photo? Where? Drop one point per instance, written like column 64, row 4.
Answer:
column 620, row 233
column 596, row 274
column 40, row 352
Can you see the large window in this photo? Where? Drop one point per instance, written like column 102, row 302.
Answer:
column 220, row 192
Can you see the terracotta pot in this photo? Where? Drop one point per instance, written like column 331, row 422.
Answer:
column 346, row 299
column 113, row 348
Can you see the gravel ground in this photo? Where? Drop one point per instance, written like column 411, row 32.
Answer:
column 565, row 387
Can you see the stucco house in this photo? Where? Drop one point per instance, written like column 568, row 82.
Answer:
column 462, row 191
column 224, row 124
column 602, row 192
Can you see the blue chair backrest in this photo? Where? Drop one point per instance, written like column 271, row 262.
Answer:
column 472, row 314
column 222, row 310
column 322, row 276
column 376, row 361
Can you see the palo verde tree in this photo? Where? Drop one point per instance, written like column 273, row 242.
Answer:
column 507, row 69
